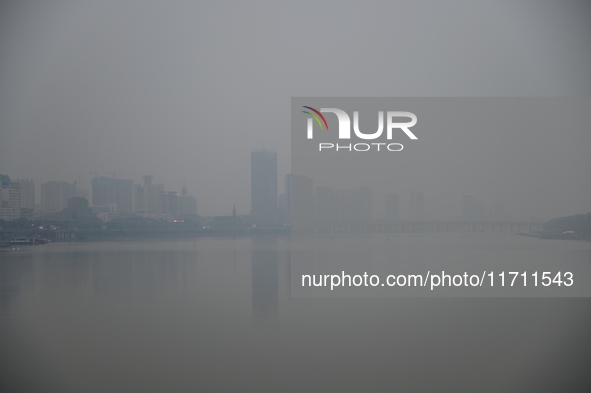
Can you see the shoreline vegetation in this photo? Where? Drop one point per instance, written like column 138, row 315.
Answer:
column 577, row 227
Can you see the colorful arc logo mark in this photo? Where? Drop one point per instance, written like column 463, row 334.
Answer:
column 315, row 113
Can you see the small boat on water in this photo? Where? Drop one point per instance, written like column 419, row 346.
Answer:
column 27, row 240
column 22, row 240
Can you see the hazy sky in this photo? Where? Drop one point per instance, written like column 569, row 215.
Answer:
column 184, row 90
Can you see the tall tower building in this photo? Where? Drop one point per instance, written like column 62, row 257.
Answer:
column 263, row 187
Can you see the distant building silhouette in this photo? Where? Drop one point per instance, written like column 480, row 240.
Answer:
column 27, row 193
column 10, row 199
column 55, row 195
column 345, row 203
column 187, row 204
column 416, row 206
column 392, row 209
column 300, row 203
column 138, row 194
column 149, row 198
column 326, row 205
column 170, row 203
column 77, row 210
column 263, row 187
column 107, row 190
column 363, row 205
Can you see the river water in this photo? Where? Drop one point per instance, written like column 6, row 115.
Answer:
column 220, row 314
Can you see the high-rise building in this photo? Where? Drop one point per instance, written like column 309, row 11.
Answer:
column 107, row 190
column 392, row 212
column 55, row 195
column 27, row 193
column 170, row 203
column 148, row 197
column 153, row 198
column 138, row 198
column 326, row 205
column 363, row 205
column 416, row 206
column 139, row 194
column 263, row 187
column 187, row 204
column 10, row 199
column 345, row 203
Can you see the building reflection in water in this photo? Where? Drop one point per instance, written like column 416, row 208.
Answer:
column 265, row 282
column 15, row 275
column 271, row 276
column 123, row 272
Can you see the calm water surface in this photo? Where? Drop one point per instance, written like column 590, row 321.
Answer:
column 217, row 315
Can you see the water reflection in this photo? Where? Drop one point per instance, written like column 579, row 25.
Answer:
column 265, row 282
column 217, row 315
column 16, row 276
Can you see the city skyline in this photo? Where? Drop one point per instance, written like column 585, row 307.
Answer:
column 79, row 98
column 311, row 196
column 104, row 196
column 381, row 208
